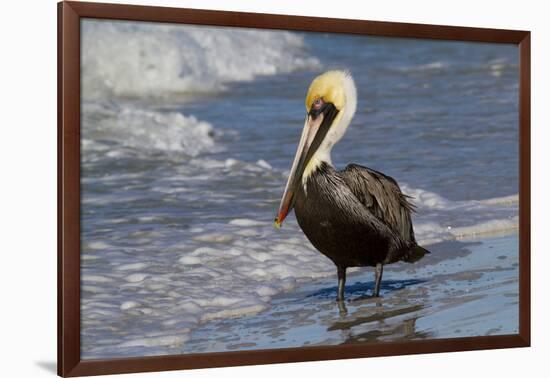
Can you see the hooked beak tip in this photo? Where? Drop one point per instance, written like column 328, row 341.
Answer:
column 278, row 223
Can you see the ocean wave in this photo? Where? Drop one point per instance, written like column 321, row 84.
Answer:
column 428, row 67
column 428, row 233
column 143, row 60
column 141, row 129
column 496, row 67
column 425, row 199
column 505, row 200
column 438, row 219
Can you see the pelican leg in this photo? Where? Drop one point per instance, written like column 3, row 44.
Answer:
column 342, row 308
column 378, row 270
column 341, row 283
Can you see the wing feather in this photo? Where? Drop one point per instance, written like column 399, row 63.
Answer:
column 381, row 195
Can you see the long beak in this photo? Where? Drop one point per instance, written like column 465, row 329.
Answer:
column 314, row 132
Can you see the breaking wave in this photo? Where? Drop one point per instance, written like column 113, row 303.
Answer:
column 143, row 130
column 145, row 60
column 440, row 219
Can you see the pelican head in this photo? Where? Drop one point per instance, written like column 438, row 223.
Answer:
column 330, row 105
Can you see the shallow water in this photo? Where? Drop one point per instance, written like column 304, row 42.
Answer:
column 466, row 289
column 469, row 289
column 187, row 136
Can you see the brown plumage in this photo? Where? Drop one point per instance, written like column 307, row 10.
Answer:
column 357, row 216
column 381, row 195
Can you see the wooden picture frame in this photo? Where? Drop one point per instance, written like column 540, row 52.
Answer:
column 70, row 15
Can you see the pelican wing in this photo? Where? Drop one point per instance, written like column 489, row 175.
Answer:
column 381, row 195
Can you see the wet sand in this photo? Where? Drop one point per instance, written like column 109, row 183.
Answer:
column 467, row 288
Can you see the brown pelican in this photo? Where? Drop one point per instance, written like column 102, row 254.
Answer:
column 356, row 216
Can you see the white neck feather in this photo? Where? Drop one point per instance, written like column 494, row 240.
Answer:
column 337, row 130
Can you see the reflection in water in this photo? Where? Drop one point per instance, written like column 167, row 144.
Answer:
column 379, row 315
column 378, row 323
column 342, row 309
column 405, row 330
column 373, row 319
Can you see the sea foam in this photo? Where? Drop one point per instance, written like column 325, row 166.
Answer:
column 142, row 130
column 235, row 268
column 169, row 64
column 438, row 219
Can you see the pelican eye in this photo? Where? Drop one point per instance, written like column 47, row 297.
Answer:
column 318, row 103
column 317, row 107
